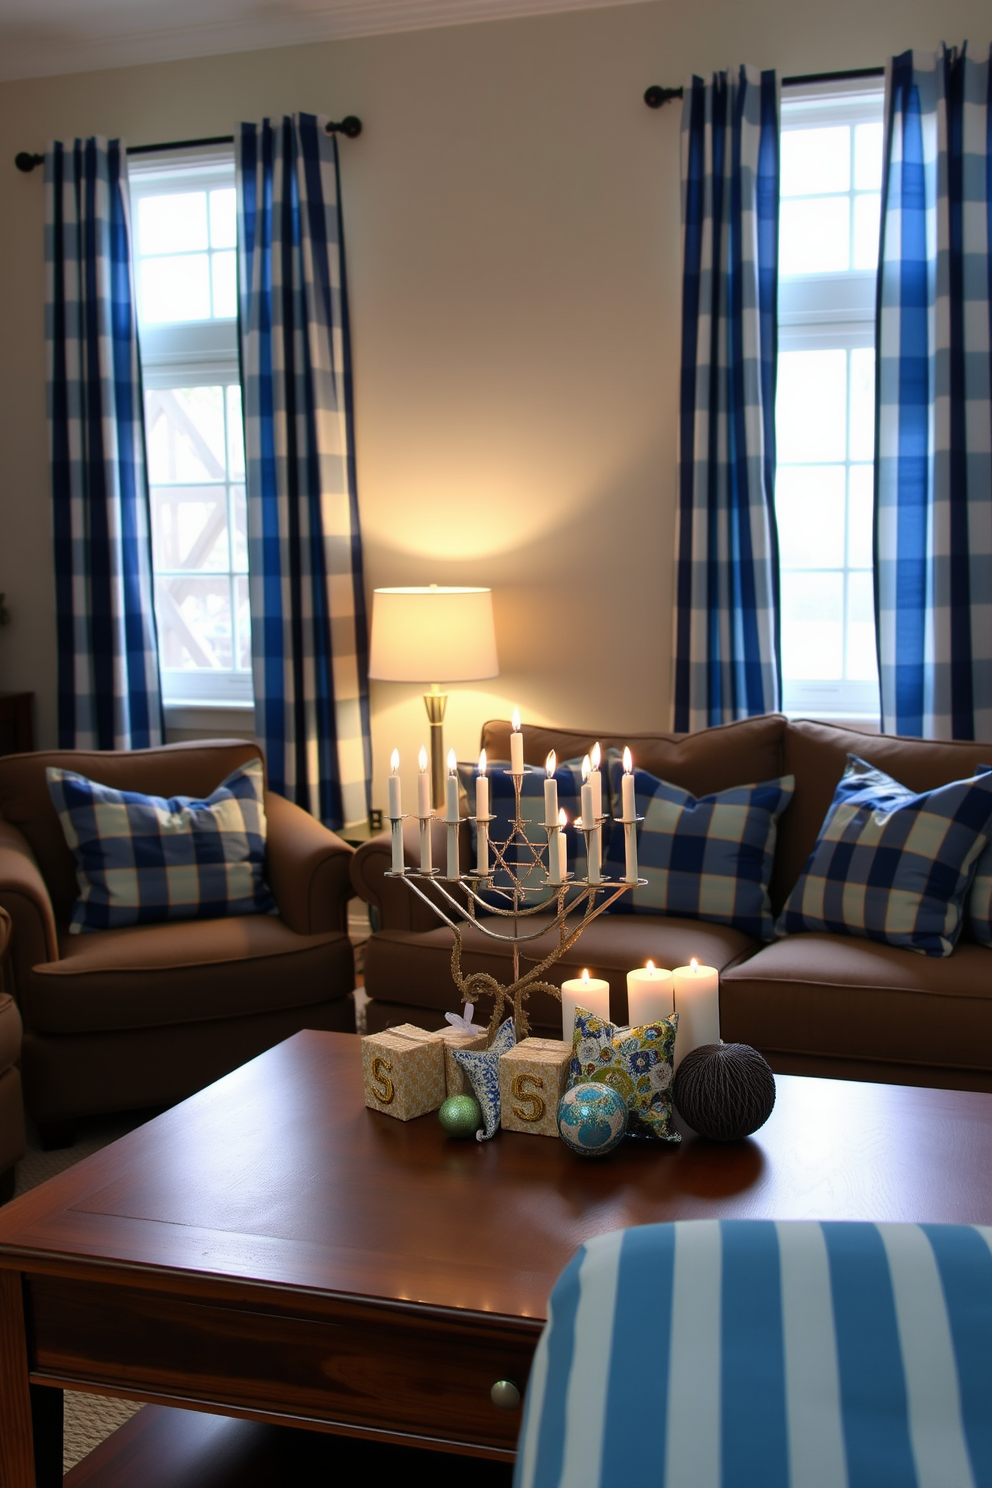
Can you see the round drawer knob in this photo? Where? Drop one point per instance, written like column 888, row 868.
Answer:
column 505, row 1395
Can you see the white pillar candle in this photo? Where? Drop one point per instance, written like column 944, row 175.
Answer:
column 396, row 811
column 551, row 791
column 591, row 993
column 562, row 848
column 424, row 812
column 451, row 813
column 649, row 994
column 481, row 815
column 697, row 1002
column 516, row 746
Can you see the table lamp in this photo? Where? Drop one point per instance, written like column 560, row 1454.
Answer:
column 419, row 634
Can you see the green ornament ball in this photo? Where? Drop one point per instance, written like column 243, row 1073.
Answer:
column 461, row 1116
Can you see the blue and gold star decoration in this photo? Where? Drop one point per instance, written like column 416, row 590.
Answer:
column 482, row 1068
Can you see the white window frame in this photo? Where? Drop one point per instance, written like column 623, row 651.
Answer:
column 824, row 311
column 189, row 354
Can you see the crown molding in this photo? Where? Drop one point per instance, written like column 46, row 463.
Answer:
column 63, row 42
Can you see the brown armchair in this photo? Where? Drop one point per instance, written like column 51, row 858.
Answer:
column 12, row 1143
column 145, row 1015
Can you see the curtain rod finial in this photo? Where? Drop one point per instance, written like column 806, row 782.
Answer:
column 655, row 97
column 26, row 162
column 349, row 126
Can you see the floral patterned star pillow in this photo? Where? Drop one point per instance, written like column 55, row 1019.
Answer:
column 635, row 1061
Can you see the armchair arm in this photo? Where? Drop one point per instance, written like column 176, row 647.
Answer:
column 306, row 867
column 398, row 908
column 25, row 898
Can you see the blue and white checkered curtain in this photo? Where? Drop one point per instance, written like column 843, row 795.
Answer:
column 933, row 536
column 727, row 591
column 109, row 695
column 309, row 627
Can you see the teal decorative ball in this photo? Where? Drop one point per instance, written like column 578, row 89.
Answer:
column 592, row 1119
column 461, row 1116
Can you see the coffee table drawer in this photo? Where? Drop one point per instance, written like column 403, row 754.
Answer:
column 384, row 1369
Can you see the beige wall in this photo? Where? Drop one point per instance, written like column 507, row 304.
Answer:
column 512, row 229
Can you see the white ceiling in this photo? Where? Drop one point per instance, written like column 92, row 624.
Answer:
column 41, row 38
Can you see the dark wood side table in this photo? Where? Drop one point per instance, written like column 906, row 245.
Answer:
column 16, row 729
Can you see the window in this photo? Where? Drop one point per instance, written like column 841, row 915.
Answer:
column 825, row 408
column 184, row 226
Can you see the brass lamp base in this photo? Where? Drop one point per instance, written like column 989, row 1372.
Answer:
column 435, row 702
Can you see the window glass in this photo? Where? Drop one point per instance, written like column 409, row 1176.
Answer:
column 825, row 403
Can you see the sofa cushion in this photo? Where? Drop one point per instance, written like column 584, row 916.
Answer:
column 857, row 1000
column 707, row 857
column 891, row 865
column 153, row 975
column 413, row 968
column 143, row 859
column 980, row 900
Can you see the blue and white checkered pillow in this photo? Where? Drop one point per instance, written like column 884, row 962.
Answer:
column 890, row 865
column 142, row 859
column 501, row 804
column 980, row 898
column 705, row 858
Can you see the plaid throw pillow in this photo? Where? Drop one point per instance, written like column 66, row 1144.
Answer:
column 980, row 898
column 142, row 859
column 501, row 804
column 890, row 865
column 704, row 859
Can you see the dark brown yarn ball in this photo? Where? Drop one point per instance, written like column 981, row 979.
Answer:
column 724, row 1091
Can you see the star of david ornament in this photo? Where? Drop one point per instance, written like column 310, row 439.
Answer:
column 482, row 1068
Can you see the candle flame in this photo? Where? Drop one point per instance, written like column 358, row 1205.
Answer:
column 516, row 720
column 551, row 764
column 482, row 763
column 650, row 968
column 422, row 760
column 597, row 755
column 452, row 762
column 694, row 964
column 562, row 820
column 585, row 973
column 628, row 763
column 586, row 767
column 394, row 762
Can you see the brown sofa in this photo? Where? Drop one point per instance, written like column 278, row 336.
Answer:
column 12, row 1143
column 143, row 1016
column 813, row 1004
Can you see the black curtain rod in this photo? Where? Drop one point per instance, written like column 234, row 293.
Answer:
column 655, row 97
column 349, row 126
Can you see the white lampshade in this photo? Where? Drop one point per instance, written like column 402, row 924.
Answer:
column 432, row 634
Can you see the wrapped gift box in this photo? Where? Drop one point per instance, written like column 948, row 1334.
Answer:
column 404, row 1071
column 455, row 1081
column 533, row 1077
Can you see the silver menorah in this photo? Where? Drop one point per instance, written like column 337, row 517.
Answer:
column 572, row 903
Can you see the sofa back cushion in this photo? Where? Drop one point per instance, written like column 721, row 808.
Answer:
column 816, row 754
column 193, row 769
column 715, row 760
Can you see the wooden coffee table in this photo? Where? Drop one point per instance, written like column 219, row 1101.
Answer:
column 273, row 1252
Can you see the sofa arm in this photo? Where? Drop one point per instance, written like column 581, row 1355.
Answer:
column 306, row 867
column 25, row 898
column 398, row 906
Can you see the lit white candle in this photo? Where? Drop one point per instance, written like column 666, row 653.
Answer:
column 424, row 811
column 562, row 848
column 451, row 813
column 588, row 819
column 596, row 781
column 591, row 993
column 630, row 818
column 481, row 815
column 551, row 791
column 516, row 745
column 396, row 811
column 697, row 1002
column 649, row 994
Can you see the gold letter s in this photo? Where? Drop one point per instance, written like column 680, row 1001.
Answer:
column 380, row 1072
column 536, row 1104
